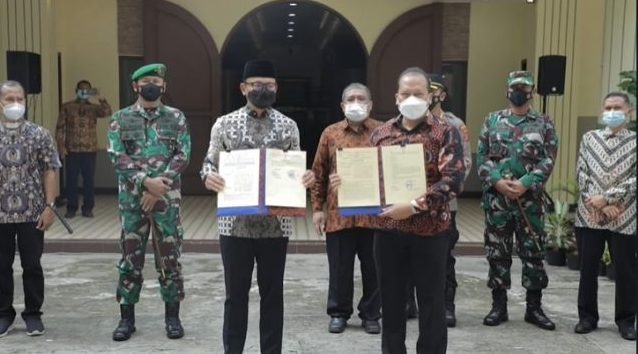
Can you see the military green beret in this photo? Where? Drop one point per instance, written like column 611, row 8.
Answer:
column 520, row 77
column 155, row 69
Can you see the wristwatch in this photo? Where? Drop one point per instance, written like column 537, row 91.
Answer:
column 51, row 205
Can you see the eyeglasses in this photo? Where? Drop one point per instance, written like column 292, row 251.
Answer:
column 260, row 85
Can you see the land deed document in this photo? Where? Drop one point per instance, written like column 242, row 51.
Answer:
column 403, row 173
column 358, row 169
column 240, row 170
column 284, row 171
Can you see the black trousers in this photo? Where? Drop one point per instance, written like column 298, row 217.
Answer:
column 623, row 253
column 239, row 256
column 402, row 257
column 450, row 271
column 80, row 163
column 342, row 246
column 30, row 243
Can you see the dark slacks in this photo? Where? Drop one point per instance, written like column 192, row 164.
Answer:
column 80, row 163
column 400, row 258
column 342, row 246
column 239, row 256
column 623, row 254
column 30, row 243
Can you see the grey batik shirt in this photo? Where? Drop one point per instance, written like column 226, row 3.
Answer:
column 243, row 129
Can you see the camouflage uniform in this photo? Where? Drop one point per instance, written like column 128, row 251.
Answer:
column 149, row 144
column 525, row 149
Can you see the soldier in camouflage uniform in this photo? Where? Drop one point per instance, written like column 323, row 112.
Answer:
column 150, row 146
column 516, row 152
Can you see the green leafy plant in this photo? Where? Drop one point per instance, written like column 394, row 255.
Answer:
column 628, row 85
column 559, row 227
column 606, row 256
column 571, row 188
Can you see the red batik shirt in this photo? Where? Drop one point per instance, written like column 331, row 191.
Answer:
column 337, row 136
column 445, row 171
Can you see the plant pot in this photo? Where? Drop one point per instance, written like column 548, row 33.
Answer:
column 611, row 271
column 602, row 269
column 573, row 261
column 555, row 257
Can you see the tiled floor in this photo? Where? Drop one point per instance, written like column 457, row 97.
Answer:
column 200, row 224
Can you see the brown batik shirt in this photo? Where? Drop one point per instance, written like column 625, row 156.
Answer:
column 337, row 136
column 445, row 171
column 77, row 121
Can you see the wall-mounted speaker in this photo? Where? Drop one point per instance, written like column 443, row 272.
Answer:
column 551, row 75
column 24, row 67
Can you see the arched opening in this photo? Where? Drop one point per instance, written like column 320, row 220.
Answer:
column 316, row 52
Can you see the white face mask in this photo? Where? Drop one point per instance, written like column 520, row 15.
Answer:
column 13, row 111
column 356, row 112
column 413, row 108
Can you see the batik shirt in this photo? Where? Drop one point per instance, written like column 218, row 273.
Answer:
column 26, row 152
column 607, row 166
column 444, row 168
column 244, row 129
column 148, row 143
column 76, row 125
column 523, row 148
column 337, row 136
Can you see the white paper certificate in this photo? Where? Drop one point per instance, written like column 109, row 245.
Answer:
column 403, row 173
column 358, row 169
column 240, row 170
column 284, row 172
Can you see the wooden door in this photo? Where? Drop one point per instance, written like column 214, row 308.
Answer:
column 413, row 39
column 174, row 36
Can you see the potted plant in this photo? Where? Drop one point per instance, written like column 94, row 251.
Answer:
column 571, row 188
column 559, row 227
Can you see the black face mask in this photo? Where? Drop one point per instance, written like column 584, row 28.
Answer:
column 435, row 100
column 519, row 98
column 150, row 92
column 263, row 98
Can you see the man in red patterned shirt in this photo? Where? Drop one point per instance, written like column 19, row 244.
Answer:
column 346, row 236
column 411, row 241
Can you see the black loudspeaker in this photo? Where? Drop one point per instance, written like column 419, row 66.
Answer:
column 551, row 75
column 24, row 67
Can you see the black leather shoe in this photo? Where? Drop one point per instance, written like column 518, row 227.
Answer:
column 174, row 329
column 496, row 316
column 126, row 327
column 450, row 318
column 536, row 316
column 584, row 327
column 627, row 332
column 124, row 330
column 87, row 214
column 371, row 326
column 69, row 214
column 337, row 325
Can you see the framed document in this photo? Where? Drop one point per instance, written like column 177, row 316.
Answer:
column 284, row 172
column 262, row 182
column 359, row 192
column 404, row 175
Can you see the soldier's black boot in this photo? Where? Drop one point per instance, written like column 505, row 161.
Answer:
column 126, row 327
column 450, row 317
column 174, row 329
column 534, row 313
column 498, row 313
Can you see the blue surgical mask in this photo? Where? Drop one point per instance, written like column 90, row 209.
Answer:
column 614, row 119
column 83, row 94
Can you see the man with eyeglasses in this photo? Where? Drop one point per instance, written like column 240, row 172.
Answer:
column 246, row 239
